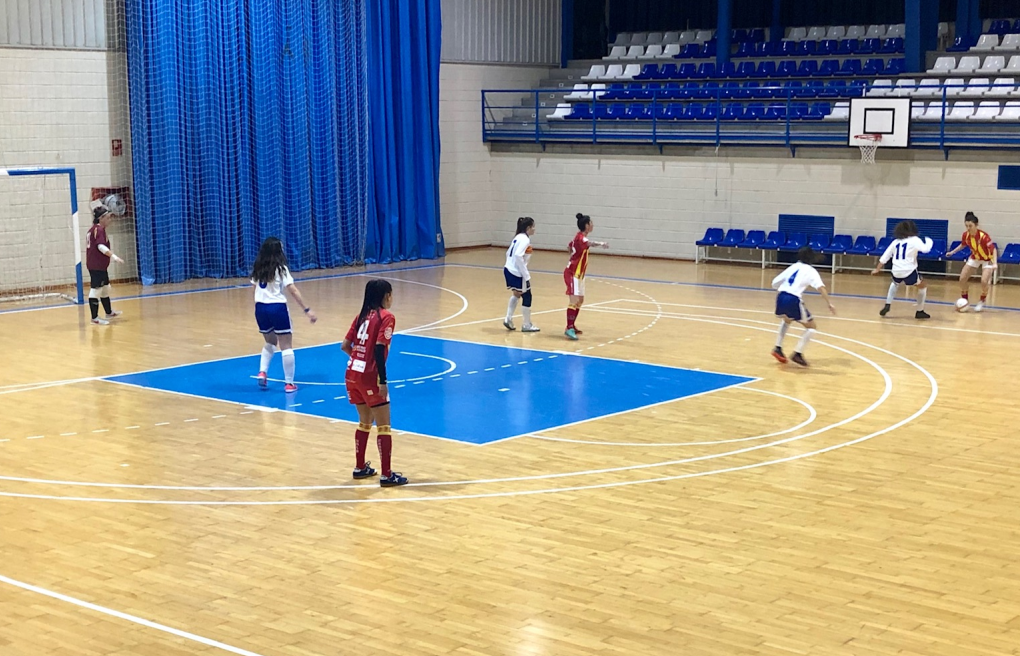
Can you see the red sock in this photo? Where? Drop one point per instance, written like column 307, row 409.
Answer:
column 983, row 297
column 360, row 444
column 571, row 316
column 385, row 443
column 965, row 295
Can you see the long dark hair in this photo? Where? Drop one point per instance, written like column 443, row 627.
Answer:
column 270, row 261
column 807, row 255
column 375, row 291
column 524, row 223
column 582, row 221
column 905, row 229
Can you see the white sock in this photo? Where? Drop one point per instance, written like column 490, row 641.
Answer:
column 893, row 288
column 267, row 357
column 922, row 296
column 288, row 365
column 512, row 307
column 805, row 338
column 526, row 311
column 783, row 327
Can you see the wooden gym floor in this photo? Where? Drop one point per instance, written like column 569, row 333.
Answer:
column 867, row 505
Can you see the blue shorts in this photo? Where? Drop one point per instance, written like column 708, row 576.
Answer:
column 788, row 305
column 910, row 280
column 515, row 283
column 272, row 318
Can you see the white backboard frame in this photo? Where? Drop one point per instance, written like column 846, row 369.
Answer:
column 889, row 117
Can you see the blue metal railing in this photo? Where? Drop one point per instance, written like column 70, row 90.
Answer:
column 781, row 115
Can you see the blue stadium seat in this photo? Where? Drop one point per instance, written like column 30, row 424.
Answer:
column 614, row 92
column 707, row 51
column 775, row 112
column 828, row 47
column 688, row 91
column 850, row 68
column 869, row 46
column 755, row 112
column 828, row 68
column 745, row 91
column 786, row 68
column 961, row 44
column 580, row 111
column 807, row 68
column 879, row 248
column 896, row 67
column 686, row 71
column 938, row 251
column 807, row 48
column 856, row 88
column 754, row 239
column 788, row 48
column 729, row 69
column 729, row 90
column 732, row 112
column 745, row 49
column 705, row 71
column 668, row 72
column 798, row 111
column 733, row 238
column 774, row 241
column 840, row 244
column 744, row 70
column 791, row 88
column 648, row 72
column 767, row 49
column 1016, row 27
column 892, row 46
column 688, row 52
column 660, row 112
column 675, row 111
column 708, row 91
column 671, row 91
column 637, row 112
column 873, row 67
column 832, row 89
column 1010, row 254
column 601, row 111
column 863, row 246
column 766, row 69
column 710, row 113
column 847, row 47
column 757, row 34
column 819, row 110
column 692, row 112
column 962, row 255
column 999, row 27
column 819, row 242
column 712, row 237
column 768, row 90
column 795, row 242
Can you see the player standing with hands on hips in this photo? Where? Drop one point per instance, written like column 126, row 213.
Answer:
column 903, row 253
column 97, row 261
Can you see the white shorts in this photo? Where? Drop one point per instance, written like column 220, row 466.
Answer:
column 977, row 264
column 575, row 286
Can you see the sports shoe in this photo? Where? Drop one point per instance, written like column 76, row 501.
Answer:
column 531, row 328
column 393, row 480
column 262, row 379
column 885, row 310
column 578, row 331
column 114, row 313
column 921, row 314
column 571, row 334
column 290, row 387
column 980, row 306
column 778, row 354
column 364, row 472
column 799, row 359
column 100, row 322
column 509, row 325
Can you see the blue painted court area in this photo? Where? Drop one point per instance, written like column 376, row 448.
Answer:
column 461, row 391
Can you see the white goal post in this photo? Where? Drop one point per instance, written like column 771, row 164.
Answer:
column 43, row 289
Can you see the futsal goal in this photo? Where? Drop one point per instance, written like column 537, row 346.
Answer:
column 40, row 236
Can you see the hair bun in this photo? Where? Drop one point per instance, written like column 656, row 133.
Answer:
column 579, row 216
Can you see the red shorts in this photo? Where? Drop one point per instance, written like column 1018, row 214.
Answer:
column 361, row 393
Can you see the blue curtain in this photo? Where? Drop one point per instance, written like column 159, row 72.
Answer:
column 291, row 118
column 403, row 82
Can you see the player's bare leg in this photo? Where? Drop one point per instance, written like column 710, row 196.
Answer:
column 922, row 296
column 986, row 282
column 267, row 356
column 965, row 275
column 362, row 468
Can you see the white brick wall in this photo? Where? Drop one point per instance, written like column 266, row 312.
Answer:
column 59, row 108
column 660, row 205
column 465, row 190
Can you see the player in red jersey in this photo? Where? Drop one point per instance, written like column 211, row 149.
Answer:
column 573, row 275
column 367, row 344
column 983, row 257
column 97, row 261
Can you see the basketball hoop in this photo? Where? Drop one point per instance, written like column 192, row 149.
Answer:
column 868, row 144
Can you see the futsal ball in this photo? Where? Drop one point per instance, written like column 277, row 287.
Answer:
column 961, row 304
column 115, row 204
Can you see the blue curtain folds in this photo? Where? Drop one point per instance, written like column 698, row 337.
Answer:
column 293, row 118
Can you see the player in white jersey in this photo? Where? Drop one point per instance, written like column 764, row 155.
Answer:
column 272, row 278
column 903, row 253
column 791, row 285
column 518, row 278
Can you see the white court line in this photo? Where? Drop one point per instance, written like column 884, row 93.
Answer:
column 474, row 323
column 129, row 618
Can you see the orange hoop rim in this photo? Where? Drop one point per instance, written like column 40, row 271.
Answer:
column 869, row 137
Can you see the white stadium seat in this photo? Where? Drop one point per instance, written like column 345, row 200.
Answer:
column 1004, row 86
column 653, row 52
column 703, row 36
column 622, row 39
column 876, row 32
column 597, row 91
column 580, row 92
column 1010, row 42
column 597, row 72
column 816, row 34
column 954, row 87
column 992, row 64
column 962, row 110
column 797, row 34
column 934, row 112
column 976, row 87
column 1011, row 112
column 904, row 88
column 986, row 111
column 967, row 65
column 856, row 32
column 1013, row 66
column 654, row 39
column 943, row 65
column 987, row 42
column 880, row 88
column 562, row 111
column 670, row 37
column 687, row 36
column 929, row 88
column 672, row 50
column 612, row 72
column 635, row 52
column 840, row 112
column 638, row 39
column 916, row 110
column 897, row 31
column 837, row 32
column 618, row 52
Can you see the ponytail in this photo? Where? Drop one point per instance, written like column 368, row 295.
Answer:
column 524, row 223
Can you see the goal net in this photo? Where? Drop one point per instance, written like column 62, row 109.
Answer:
column 39, row 237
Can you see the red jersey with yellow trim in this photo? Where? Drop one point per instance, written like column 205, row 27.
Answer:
column 981, row 246
column 578, row 256
column 376, row 328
